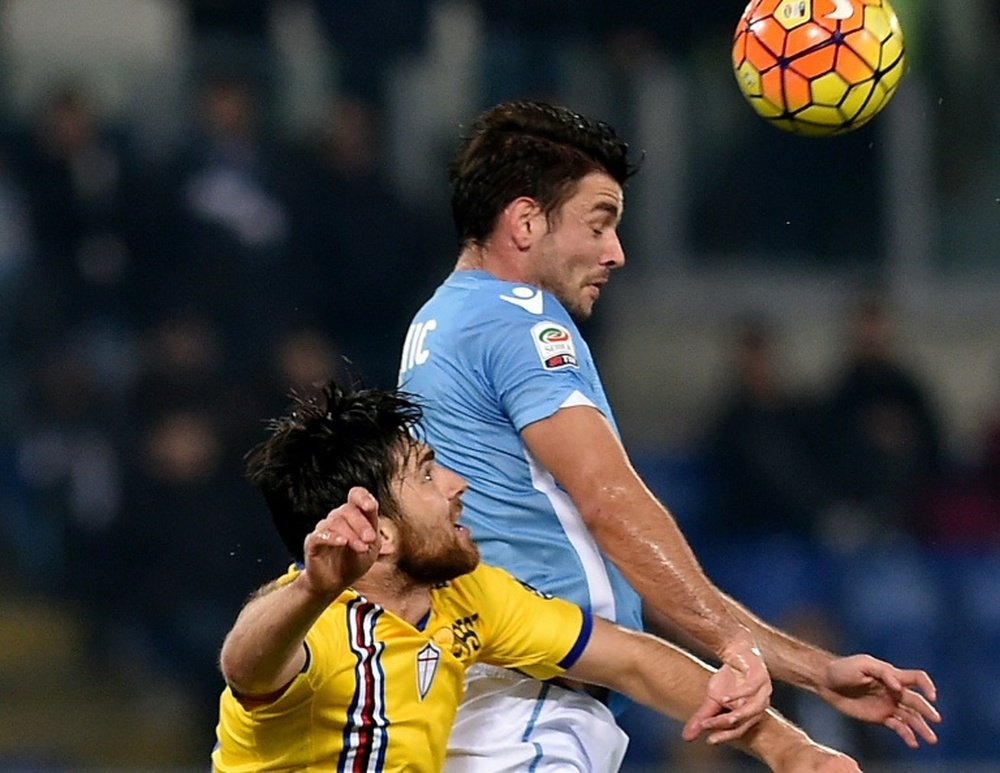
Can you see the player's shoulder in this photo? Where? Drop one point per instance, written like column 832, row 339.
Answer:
column 498, row 300
column 487, row 578
column 481, row 581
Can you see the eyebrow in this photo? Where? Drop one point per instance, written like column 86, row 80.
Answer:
column 608, row 208
column 426, row 455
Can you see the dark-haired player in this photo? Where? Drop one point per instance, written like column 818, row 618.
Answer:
column 354, row 660
column 514, row 404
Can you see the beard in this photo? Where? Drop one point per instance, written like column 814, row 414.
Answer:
column 569, row 297
column 428, row 562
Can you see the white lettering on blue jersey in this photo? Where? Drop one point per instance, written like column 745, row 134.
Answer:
column 415, row 346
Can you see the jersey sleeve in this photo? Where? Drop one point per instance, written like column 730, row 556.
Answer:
column 325, row 648
column 528, row 630
column 532, row 362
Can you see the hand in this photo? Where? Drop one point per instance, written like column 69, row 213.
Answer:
column 344, row 545
column 738, row 695
column 874, row 691
column 811, row 757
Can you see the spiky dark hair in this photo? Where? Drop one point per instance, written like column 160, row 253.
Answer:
column 527, row 149
column 324, row 446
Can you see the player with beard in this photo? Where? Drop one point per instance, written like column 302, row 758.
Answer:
column 514, row 404
column 354, row 660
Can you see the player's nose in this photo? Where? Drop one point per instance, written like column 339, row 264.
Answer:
column 454, row 485
column 614, row 255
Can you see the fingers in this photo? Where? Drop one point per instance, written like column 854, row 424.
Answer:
column 744, row 694
column 908, row 724
column 916, row 702
column 735, row 724
column 913, row 712
column 730, row 723
column 898, row 679
column 885, row 673
column 353, row 524
column 899, row 726
column 366, row 503
column 917, row 679
column 752, row 685
column 695, row 724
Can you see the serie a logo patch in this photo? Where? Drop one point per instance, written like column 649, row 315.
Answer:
column 554, row 345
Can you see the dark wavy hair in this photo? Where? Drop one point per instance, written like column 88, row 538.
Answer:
column 327, row 444
column 527, row 149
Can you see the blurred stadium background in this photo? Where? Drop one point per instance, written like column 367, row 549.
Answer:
column 206, row 202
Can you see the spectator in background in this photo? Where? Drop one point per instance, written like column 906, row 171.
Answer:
column 81, row 185
column 235, row 35
column 525, row 45
column 769, row 448
column 961, row 507
column 70, row 463
column 888, row 441
column 766, row 446
column 359, row 242
column 17, row 242
column 370, row 37
column 19, row 310
column 186, row 498
column 223, row 226
column 637, row 32
column 301, row 358
column 16, row 314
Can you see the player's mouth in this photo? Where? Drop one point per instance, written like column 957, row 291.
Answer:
column 595, row 287
column 598, row 281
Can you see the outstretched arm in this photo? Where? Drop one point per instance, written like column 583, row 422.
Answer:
column 263, row 652
column 582, row 452
column 578, row 446
column 860, row 686
column 673, row 682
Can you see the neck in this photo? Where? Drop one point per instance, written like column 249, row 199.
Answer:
column 396, row 592
column 505, row 265
column 473, row 257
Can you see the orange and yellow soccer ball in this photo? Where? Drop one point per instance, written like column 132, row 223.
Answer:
column 818, row 67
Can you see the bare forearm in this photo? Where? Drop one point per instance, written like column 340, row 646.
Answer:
column 580, row 449
column 263, row 651
column 674, row 682
column 789, row 659
column 773, row 740
column 645, row 543
column 649, row 670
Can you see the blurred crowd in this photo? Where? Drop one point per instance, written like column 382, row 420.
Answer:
column 839, row 511
column 156, row 308
column 862, row 462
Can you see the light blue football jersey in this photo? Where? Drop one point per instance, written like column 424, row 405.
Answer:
column 486, row 358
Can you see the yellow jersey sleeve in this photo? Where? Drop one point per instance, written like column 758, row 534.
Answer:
column 525, row 629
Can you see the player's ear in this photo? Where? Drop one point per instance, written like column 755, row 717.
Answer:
column 524, row 222
column 388, row 533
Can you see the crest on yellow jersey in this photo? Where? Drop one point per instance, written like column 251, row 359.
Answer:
column 427, row 663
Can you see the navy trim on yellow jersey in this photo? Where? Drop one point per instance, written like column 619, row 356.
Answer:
column 581, row 641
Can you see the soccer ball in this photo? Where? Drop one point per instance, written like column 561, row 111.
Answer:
column 818, row 67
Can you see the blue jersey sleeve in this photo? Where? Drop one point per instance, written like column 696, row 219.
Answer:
column 533, row 362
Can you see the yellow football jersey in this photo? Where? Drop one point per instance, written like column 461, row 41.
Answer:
column 378, row 694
